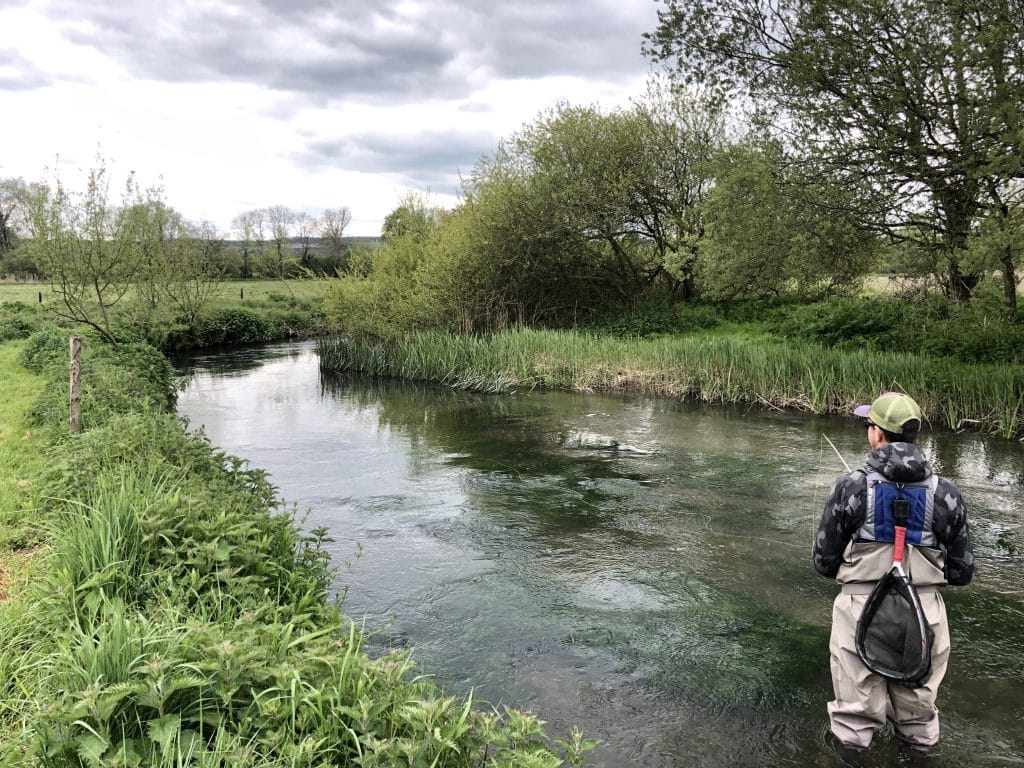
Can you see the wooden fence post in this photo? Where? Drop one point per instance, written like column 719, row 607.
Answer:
column 76, row 381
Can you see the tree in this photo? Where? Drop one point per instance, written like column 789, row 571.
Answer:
column 333, row 223
column 155, row 221
column 279, row 219
column 194, row 257
column 618, row 194
column 414, row 216
column 914, row 102
column 248, row 226
column 768, row 231
column 88, row 247
column 13, row 195
column 305, row 226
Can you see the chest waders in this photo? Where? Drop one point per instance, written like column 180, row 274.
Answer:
column 894, row 639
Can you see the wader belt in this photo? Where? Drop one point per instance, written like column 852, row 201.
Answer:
column 867, row 587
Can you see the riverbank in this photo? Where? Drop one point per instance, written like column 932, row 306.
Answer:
column 177, row 613
column 708, row 367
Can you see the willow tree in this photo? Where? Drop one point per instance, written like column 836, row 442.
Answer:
column 915, row 102
column 612, row 197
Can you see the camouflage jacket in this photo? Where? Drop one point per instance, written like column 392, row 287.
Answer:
column 840, row 554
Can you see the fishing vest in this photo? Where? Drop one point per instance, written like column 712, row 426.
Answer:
column 880, row 519
column 868, row 556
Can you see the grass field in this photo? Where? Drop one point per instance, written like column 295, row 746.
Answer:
column 234, row 289
column 22, row 461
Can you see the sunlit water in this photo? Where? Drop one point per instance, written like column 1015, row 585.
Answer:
column 658, row 594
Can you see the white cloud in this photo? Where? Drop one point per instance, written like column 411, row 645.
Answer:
column 307, row 103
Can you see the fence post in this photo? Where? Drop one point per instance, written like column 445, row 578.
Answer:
column 76, row 381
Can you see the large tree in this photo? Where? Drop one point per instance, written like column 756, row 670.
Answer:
column 617, row 194
column 915, row 102
column 768, row 232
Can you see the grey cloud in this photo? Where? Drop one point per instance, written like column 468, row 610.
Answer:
column 327, row 49
column 19, row 74
column 431, row 159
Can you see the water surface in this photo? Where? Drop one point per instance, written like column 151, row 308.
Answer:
column 639, row 568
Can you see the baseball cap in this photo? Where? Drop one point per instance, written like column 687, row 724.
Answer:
column 890, row 411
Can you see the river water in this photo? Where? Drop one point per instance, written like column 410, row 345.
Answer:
column 635, row 567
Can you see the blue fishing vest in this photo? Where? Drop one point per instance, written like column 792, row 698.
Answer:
column 879, row 521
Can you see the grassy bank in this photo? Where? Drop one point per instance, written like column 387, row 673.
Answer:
column 178, row 615
column 711, row 368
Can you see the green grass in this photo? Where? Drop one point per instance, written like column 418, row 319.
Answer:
column 255, row 290
column 712, row 368
column 22, row 461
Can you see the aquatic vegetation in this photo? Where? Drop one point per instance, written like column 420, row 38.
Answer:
column 713, row 368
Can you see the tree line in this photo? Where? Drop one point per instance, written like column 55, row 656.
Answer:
column 263, row 242
column 587, row 211
column 96, row 249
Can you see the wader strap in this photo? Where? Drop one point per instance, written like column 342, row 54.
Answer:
column 867, row 587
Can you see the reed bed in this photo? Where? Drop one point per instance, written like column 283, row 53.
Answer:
column 713, row 369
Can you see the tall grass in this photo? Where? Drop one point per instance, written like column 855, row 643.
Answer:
column 714, row 369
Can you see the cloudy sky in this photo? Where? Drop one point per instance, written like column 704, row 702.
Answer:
column 304, row 103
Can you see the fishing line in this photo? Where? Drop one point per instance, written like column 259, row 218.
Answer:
column 837, row 452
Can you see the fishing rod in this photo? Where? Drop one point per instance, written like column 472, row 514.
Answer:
column 837, row 452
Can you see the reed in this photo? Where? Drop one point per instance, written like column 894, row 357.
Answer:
column 710, row 368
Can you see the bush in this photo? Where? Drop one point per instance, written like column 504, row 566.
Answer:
column 651, row 318
column 122, row 379
column 44, row 348
column 975, row 333
column 19, row 320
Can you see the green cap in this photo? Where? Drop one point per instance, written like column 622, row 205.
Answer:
column 890, row 411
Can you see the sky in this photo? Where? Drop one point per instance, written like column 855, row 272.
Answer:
column 310, row 104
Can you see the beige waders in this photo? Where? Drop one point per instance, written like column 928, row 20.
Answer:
column 863, row 700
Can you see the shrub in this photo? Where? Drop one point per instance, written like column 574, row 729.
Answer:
column 651, row 318
column 19, row 320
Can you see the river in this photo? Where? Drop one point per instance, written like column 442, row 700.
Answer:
column 635, row 567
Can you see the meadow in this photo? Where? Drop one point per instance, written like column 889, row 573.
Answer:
column 254, row 290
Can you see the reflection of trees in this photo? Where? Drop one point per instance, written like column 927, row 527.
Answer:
column 973, row 454
column 233, row 360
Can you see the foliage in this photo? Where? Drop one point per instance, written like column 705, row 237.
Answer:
column 654, row 317
column 120, row 379
column 769, row 232
column 580, row 210
column 914, row 104
column 96, row 254
column 19, row 320
column 976, row 333
column 13, row 196
column 182, row 619
column 89, row 248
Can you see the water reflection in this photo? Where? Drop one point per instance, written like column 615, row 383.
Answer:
column 637, row 567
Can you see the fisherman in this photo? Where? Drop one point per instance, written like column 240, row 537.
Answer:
column 855, row 545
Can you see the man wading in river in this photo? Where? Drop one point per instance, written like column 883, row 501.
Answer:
column 875, row 673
